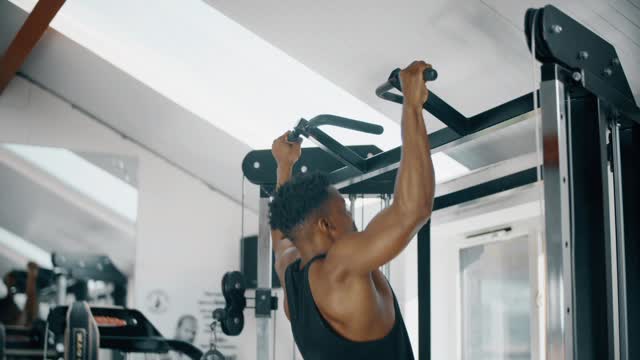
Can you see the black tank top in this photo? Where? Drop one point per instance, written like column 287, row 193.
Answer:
column 316, row 339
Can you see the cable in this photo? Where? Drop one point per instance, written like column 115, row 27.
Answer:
column 242, row 209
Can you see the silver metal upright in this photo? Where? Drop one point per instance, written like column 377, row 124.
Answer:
column 620, row 243
column 264, row 324
column 61, row 289
column 559, row 328
column 609, row 234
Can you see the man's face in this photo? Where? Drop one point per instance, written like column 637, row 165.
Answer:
column 187, row 330
column 339, row 216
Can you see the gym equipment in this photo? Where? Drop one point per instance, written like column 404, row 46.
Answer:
column 70, row 275
column 231, row 318
column 126, row 330
column 46, row 279
column 2, row 341
column 233, row 289
column 591, row 131
column 22, row 342
column 213, row 353
column 308, row 127
column 81, row 336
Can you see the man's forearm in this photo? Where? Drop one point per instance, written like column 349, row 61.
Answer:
column 284, row 173
column 415, row 181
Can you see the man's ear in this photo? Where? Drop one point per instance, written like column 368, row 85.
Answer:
column 324, row 224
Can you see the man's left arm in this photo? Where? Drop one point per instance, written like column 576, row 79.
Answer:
column 286, row 155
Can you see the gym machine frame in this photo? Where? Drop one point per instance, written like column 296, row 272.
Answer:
column 591, row 146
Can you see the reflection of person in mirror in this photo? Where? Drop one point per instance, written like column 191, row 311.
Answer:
column 186, row 330
column 10, row 313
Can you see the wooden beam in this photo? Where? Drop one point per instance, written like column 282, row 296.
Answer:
column 27, row 38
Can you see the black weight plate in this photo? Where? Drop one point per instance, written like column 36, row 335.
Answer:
column 233, row 324
column 233, row 287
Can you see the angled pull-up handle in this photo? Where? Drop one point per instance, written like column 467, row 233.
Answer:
column 434, row 105
column 309, row 129
column 304, row 126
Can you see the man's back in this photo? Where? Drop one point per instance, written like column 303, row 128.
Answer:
column 348, row 332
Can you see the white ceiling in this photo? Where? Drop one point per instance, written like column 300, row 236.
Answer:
column 478, row 47
column 210, row 65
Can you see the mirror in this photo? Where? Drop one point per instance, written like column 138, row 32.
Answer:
column 80, row 206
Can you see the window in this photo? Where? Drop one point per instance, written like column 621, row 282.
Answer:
column 496, row 300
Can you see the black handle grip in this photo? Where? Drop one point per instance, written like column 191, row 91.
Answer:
column 294, row 137
column 430, row 74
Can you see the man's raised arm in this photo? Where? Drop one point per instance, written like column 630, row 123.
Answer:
column 392, row 229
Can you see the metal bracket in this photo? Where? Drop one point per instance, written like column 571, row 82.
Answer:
column 265, row 303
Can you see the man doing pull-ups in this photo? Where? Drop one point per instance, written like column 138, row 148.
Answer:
column 338, row 302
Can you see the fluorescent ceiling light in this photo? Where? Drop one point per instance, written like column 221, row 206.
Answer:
column 82, row 176
column 25, row 248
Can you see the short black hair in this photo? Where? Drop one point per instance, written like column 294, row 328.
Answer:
column 296, row 199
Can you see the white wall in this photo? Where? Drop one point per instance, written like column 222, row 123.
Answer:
column 187, row 234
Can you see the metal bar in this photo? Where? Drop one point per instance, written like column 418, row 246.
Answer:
column 447, row 114
column 27, row 38
column 263, row 324
column 504, row 112
column 604, row 90
column 352, row 204
column 590, row 312
column 440, row 140
column 620, row 242
column 339, row 151
column 488, row 173
column 61, row 293
column 424, row 292
column 491, row 187
column 613, row 318
column 557, row 216
column 26, row 353
column 345, row 123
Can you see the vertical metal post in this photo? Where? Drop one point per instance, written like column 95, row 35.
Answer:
column 263, row 324
column 609, row 234
column 620, row 241
column 559, row 329
column 424, row 292
column 61, row 285
column 352, row 205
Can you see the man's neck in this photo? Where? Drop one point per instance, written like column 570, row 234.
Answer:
column 313, row 249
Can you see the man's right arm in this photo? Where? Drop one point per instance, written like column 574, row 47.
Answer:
column 392, row 229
